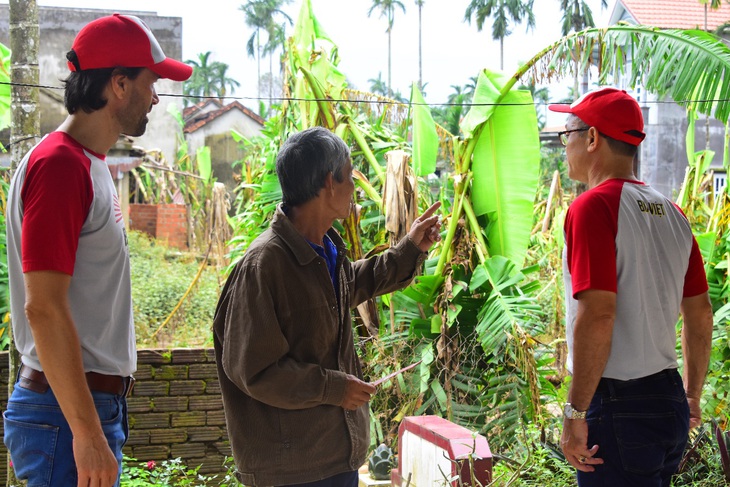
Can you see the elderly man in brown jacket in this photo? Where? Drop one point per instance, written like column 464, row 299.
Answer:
column 295, row 402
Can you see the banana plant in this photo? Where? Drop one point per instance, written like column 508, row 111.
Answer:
column 474, row 311
column 690, row 66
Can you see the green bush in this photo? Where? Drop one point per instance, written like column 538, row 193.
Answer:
column 160, row 278
column 173, row 472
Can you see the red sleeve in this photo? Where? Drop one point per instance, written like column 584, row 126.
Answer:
column 57, row 194
column 695, row 281
column 591, row 226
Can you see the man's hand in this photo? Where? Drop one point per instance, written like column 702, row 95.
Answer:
column 357, row 393
column 95, row 462
column 574, row 444
column 695, row 412
column 426, row 229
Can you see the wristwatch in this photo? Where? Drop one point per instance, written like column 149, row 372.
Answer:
column 571, row 413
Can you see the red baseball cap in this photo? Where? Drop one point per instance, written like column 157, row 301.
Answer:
column 613, row 112
column 124, row 41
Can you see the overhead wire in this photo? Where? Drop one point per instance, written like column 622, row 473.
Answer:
column 370, row 102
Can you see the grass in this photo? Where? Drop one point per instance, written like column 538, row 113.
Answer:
column 160, row 277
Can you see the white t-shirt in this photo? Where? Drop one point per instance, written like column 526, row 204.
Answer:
column 64, row 215
column 624, row 237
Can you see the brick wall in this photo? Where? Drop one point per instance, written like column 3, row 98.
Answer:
column 175, row 409
column 166, row 222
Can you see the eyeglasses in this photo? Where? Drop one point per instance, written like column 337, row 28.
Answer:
column 565, row 133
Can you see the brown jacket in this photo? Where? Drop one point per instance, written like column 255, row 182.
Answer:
column 284, row 347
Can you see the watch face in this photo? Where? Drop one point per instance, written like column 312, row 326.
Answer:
column 568, row 411
column 571, row 413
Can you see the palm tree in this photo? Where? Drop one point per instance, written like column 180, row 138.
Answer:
column 209, row 78
column 257, row 17
column 503, row 12
column 277, row 37
column 577, row 15
column 419, row 4
column 713, row 4
column 223, row 81
column 378, row 86
column 261, row 16
column 387, row 10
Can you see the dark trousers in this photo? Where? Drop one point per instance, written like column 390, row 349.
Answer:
column 641, row 428
column 347, row 479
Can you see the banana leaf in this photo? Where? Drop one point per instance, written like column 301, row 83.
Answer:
column 4, row 87
column 205, row 168
column 314, row 55
column 425, row 138
column 690, row 66
column 506, row 161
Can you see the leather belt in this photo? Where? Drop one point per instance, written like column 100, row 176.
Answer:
column 36, row 381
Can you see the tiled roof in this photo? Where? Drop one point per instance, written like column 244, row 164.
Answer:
column 676, row 14
column 195, row 123
column 192, row 110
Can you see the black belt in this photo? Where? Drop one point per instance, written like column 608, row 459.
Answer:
column 668, row 374
column 36, row 381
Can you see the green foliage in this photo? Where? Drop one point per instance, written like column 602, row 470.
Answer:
column 208, row 79
column 533, row 459
column 173, row 472
column 160, row 277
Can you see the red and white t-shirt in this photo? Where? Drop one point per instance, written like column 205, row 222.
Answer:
column 64, row 215
column 624, row 237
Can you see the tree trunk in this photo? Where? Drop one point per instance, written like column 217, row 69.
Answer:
column 25, row 125
column 420, row 50
column 271, row 79
column 390, row 90
column 258, row 67
column 501, row 54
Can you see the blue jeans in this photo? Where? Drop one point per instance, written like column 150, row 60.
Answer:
column 641, row 428
column 347, row 479
column 40, row 441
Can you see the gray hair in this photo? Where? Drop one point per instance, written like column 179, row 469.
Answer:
column 305, row 160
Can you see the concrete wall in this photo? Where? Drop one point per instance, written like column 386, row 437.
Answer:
column 58, row 27
column 175, row 410
column 664, row 154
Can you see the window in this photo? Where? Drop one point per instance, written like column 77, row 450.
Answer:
column 719, row 181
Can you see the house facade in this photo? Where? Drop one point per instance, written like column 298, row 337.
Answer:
column 209, row 123
column 58, row 28
column 663, row 154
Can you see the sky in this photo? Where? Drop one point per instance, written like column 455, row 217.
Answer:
column 453, row 50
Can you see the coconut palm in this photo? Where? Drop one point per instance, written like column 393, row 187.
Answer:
column 276, row 40
column 419, row 4
column 503, row 13
column 261, row 16
column 257, row 18
column 577, row 15
column 387, row 10
column 378, row 86
column 209, row 78
column 710, row 4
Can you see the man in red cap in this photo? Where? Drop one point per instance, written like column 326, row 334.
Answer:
column 631, row 267
column 66, row 421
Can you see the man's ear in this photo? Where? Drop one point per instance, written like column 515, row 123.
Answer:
column 329, row 182
column 592, row 138
column 119, row 84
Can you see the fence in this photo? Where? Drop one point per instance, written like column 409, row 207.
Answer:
column 175, row 409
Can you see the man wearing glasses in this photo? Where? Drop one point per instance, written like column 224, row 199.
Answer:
column 631, row 267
